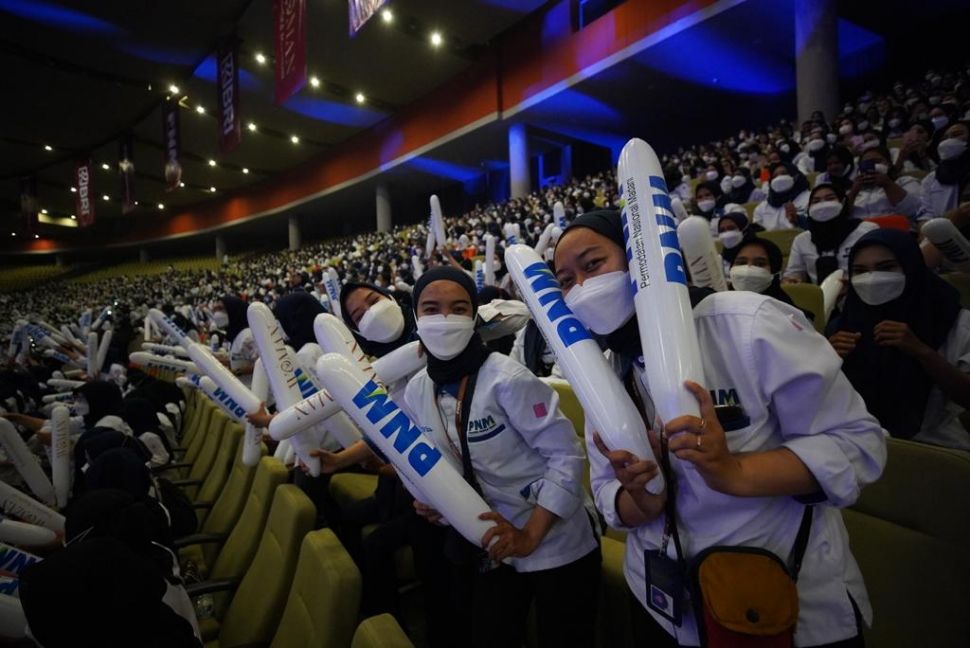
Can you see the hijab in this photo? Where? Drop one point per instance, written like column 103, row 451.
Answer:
column 844, row 181
column 103, row 398
column 370, row 347
column 470, row 360
column 776, row 199
column 296, row 311
column 828, row 236
column 740, row 195
column 955, row 171
column 895, row 386
column 236, row 310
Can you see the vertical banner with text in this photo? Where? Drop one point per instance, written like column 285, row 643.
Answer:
column 289, row 26
column 171, row 141
column 360, row 11
column 84, row 196
column 230, row 124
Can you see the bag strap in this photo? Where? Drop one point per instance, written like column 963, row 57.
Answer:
column 801, row 542
column 466, row 391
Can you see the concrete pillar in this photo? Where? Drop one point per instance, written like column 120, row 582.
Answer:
column 220, row 247
column 817, row 57
column 519, row 161
column 383, row 205
column 294, row 232
column 143, row 255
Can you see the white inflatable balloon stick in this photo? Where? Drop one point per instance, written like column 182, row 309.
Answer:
column 290, row 384
column 13, row 621
column 543, row 243
column 165, row 323
column 61, row 454
column 22, row 534
column 26, row 463
column 603, row 397
column 513, row 233
column 103, row 349
column 231, row 392
column 64, row 383
column 706, row 267
column 333, row 336
column 391, row 432
column 149, row 362
column 666, row 322
column 253, row 439
column 331, row 281
column 489, row 260
column 438, row 221
column 942, row 233
column 92, row 354
column 479, row 274
column 831, row 288
column 417, row 266
column 429, row 242
column 165, row 349
column 400, row 363
column 559, row 215
column 18, row 504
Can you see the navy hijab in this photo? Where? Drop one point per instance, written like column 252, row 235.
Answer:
column 894, row 386
column 296, row 312
column 370, row 347
column 776, row 199
column 236, row 310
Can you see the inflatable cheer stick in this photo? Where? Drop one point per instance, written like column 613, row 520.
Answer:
column 152, row 347
column 400, row 363
column 389, row 429
column 831, row 287
column 559, row 215
column 438, row 222
column 24, row 534
column 26, row 463
column 664, row 315
column 706, row 267
column 61, row 474
column 610, row 409
column 489, row 260
column 290, row 384
column 18, row 504
column 942, row 233
column 152, row 362
column 331, row 281
column 479, row 274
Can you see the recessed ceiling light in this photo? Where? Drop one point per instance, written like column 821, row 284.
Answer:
column 199, row 109
column 161, row 205
column 436, row 39
column 245, row 170
column 315, row 82
column 387, row 16
column 106, row 197
column 73, row 189
column 260, row 58
column 13, row 233
column 212, row 189
column 360, row 97
column 36, row 236
column 73, row 217
column 43, row 211
column 252, row 126
column 105, row 167
column 294, row 139
column 174, row 89
column 48, row 147
column 212, row 162
column 181, row 185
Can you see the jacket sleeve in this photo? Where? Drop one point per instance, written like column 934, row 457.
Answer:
column 796, row 261
column 604, row 483
column 910, row 205
column 532, row 407
column 821, row 417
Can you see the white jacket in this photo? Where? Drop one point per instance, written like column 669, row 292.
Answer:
column 873, row 201
column 774, row 218
column 523, row 450
column 804, row 254
column 765, row 357
column 937, row 198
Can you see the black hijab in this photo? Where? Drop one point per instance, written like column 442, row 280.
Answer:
column 236, row 310
column 894, row 386
column 955, row 171
column 296, row 312
column 844, row 181
column 380, row 349
column 827, row 237
column 740, row 195
column 446, row 372
column 775, row 260
column 776, row 199
column 104, row 399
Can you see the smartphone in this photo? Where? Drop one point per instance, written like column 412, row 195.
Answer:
column 867, row 166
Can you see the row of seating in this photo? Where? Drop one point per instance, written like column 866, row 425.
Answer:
column 20, row 278
column 149, row 268
column 269, row 578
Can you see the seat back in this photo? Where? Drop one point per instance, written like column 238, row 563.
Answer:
column 238, row 549
column 381, row 631
column 323, row 603
column 960, row 281
column 258, row 602
column 808, row 297
column 217, row 476
column 783, row 239
column 909, row 532
column 212, row 439
column 227, row 509
column 196, row 434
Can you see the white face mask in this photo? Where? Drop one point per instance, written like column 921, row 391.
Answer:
column 731, row 238
column 603, row 303
column 863, row 125
column 831, row 138
column 879, row 287
column 815, row 145
column 845, row 129
column 751, row 278
column 445, row 336
column 951, row 147
column 726, row 184
column 220, row 319
column 382, row 322
column 895, row 122
column 738, row 181
column 881, row 168
column 711, row 175
column 782, row 183
column 940, row 121
column 706, row 205
column 823, row 212
column 81, row 407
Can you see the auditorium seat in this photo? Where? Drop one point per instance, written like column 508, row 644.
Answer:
column 614, row 618
column 783, row 239
column 347, row 488
column 212, row 482
column 258, row 602
column 238, row 550
column 211, row 440
column 808, row 297
column 196, row 432
column 960, row 281
column 749, row 207
column 569, row 404
column 910, row 532
column 381, row 631
column 891, row 221
column 322, row 607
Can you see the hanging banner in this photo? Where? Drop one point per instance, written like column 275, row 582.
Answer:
column 289, row 21
column 126, row 172
column 171, row 138
column 84, row 198
column 230, row 126
column 28, row 202
column 361, row 11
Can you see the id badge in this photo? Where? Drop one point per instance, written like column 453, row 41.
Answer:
column 665, row 586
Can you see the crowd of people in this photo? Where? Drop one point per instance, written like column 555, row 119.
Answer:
column 801, row 435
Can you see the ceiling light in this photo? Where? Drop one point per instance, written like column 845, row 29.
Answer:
column 181, row 185
column 173, row 89
column 36, row 236
column 360, row 97
column 199, row 109
column 436, row 39
column 212, row 162
column 73, row 189
column 388, row 16
column 245, row 170
column 260, row 58
column 13, row 233
column 212, row 189
column 315, row 82
column 105, row 167
column 48, row 147
column 73, row 217
column 43, row 211
column 252, row 126
column 294, row 139
column 161, row 205
column 106, row 197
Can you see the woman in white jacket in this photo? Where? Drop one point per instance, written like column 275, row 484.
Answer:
column 799, row 434
column 501, row 427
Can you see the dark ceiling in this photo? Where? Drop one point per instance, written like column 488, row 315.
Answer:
column 80, row 73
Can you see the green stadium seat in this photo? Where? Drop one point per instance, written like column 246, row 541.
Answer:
column 808, row 297
column 381, row 631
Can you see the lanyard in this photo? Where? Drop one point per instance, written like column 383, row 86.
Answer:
column 459, row 428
